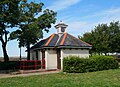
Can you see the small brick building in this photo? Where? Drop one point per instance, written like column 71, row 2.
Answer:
column 53, row 49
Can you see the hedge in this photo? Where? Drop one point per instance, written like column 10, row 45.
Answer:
column 74, row 64
column 14, row 65
column 10, row 65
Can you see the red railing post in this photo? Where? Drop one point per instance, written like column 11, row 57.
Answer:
column 34, row 64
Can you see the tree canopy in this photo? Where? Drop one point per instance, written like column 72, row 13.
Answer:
column 31, row 27
column 30, row 20
column 9, row 15
column 104, row 38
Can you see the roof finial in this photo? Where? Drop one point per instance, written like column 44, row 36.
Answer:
column 61, row 22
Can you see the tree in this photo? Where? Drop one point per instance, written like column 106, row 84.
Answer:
column 114, row 31
column 104, row 38
column 9, row 14
column 31, row 27
column 100, row 38
column 87, row 37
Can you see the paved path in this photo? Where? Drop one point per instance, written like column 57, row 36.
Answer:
column 28, row 74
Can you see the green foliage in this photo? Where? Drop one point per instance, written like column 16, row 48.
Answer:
column 10, row 65
column 9, row 15
column 104, row 38
column 73, row 64
column 32, row 23
column 105, row 62
column 13, row 65
column 33, row 20
column 101, row 56
column 118, row 59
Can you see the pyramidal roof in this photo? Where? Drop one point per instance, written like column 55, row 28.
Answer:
column 61, row 40
column 64, row 40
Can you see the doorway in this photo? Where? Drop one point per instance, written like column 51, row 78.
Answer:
column 43, row 59
column 58, row 59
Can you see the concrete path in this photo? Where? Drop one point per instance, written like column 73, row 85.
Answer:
column 28, row 74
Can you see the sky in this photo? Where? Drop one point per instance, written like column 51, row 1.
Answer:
column 80, row 15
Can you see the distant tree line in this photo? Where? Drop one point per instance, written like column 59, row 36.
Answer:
column 104, row 38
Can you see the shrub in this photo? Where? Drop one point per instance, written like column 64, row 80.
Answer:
column 105, row 62
column 74, row 64
column 101, row 56
column 9, row 65
column 13, row 65
column 118, row 59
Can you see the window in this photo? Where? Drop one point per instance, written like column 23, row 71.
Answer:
column 62, row 29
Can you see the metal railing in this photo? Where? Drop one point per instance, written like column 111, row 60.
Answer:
column 32, row 64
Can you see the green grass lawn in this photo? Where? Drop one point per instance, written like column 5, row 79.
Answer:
column 108, row 78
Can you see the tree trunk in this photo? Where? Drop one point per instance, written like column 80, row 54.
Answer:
column 105, row 54
column 6, row 57
column 4, row 41
column 28, row 51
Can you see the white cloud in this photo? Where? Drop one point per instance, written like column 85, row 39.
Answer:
column 76, row 26
column 111, row 14
column 105, row 15
column 80, row 27
column 62, row 4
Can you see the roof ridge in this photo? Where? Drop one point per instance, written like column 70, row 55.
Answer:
column 49, row 39
column 63, row 40
column 59, row 37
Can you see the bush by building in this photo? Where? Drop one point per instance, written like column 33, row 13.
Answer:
column 74, row 64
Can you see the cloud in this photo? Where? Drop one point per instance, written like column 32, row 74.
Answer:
column 105, row 15
column 76, row 26
column 110, row 15
column 80, row 27
column 62, row 4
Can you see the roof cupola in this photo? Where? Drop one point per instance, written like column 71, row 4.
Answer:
column 61, row 27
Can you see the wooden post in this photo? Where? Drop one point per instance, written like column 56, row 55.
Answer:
column 35, row 64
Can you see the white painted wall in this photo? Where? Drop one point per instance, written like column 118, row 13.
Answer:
column 33, row 55
column 40, row 55
column 81, row 53
column 51, row 59
column 73, row 52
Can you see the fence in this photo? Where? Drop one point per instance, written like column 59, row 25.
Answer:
column 32, row 64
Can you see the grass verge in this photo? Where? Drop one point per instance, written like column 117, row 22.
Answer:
column 107, row 78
